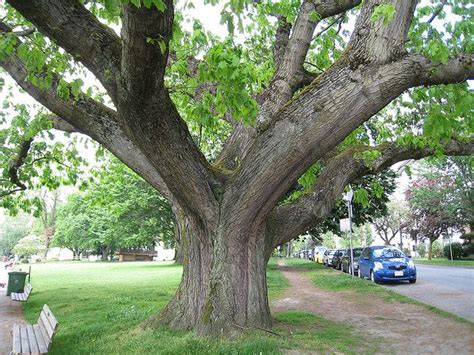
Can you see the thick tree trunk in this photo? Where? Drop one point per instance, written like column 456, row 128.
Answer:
column 430, row 250
column 105, row 253
column 223, row 288
column 75, row 254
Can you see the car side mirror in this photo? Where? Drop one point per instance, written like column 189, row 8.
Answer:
column 408, row 256
column 366, row 258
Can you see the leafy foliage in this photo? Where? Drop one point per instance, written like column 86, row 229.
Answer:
column 361, row 237
column 29, row 245
column 421, row 249
column 456, row 249
column 372, row 196
column 11, row 231
column 117, row 210
column 391, row 224
column 435, row 206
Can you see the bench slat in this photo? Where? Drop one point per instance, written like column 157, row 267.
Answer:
column 25, row 347
column 52, row 319
column 37, row 338
column 16, row 339
column 46, row 338
column 22, row 296
column 45, row 326
column 42, row 344
column 32, row 339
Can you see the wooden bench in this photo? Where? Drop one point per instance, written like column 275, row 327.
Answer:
column 22, row 296
column 37, row 338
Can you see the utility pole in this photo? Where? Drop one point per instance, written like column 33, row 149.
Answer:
column 450, row 248
column 348, row 198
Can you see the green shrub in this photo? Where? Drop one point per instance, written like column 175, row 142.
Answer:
column 468, row 249
column 457, row 251
column 421, row 249
column 437, row 249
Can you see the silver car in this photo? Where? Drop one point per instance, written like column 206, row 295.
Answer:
column 328, row 255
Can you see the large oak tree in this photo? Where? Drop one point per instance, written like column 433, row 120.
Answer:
column 291, row 98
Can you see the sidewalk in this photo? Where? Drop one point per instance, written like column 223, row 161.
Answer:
column 10, row 312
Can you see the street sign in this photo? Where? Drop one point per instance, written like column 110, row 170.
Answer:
column 345, row 225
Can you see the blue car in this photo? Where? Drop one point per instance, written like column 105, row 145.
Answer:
column 386, row 263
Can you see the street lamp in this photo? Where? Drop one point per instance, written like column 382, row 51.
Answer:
column 348, row 199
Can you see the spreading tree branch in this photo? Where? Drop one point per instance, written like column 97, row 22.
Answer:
column 457, row 69
column 290, row 75
column 289, row 221
column 80, row 33
column 13, row 167
column 150, row 118
column 87, row 116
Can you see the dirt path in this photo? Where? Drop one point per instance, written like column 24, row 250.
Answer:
column 10, row 312
column 405, row 328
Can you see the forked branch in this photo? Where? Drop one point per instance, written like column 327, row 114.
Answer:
column 288, row 221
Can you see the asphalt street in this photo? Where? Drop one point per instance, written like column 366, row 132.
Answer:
column 448, row 288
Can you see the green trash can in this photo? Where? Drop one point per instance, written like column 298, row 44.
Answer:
column 16, row 281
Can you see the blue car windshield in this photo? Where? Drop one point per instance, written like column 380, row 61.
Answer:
column 388, row 253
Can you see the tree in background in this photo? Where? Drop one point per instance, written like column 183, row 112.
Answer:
column 328, row 239
column 299, row 91
column 455, row 249
column 389, row 226
column 12, row 230
column 28, row 246
column 459, row 172
column 73, row 226
column 436, row 249
column 433, row 207
column 361, row 237
column 46, row 223
column 421, row 249
column 371, row 195
column 117, row 210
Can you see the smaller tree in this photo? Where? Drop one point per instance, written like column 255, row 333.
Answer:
column 11, row 231
column 329, row 240
column 361, row 237
column 436, row 249
column 73, row 226
column 391, row 225
column 433, row 208
column 28, row 246
column 421, row 249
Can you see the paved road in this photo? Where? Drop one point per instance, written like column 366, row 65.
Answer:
column 446, row 287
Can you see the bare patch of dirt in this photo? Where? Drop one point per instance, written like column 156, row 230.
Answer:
column 405, row 328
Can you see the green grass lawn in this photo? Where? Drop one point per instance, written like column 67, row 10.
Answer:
column 444, row 262
column 100, row 307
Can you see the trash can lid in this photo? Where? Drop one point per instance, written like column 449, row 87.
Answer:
column 18, row 272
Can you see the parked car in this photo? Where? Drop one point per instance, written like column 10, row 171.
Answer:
column 337, row 258
column 346, row 260
column 327, row 257
column 386, row 263
column 319, row 253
